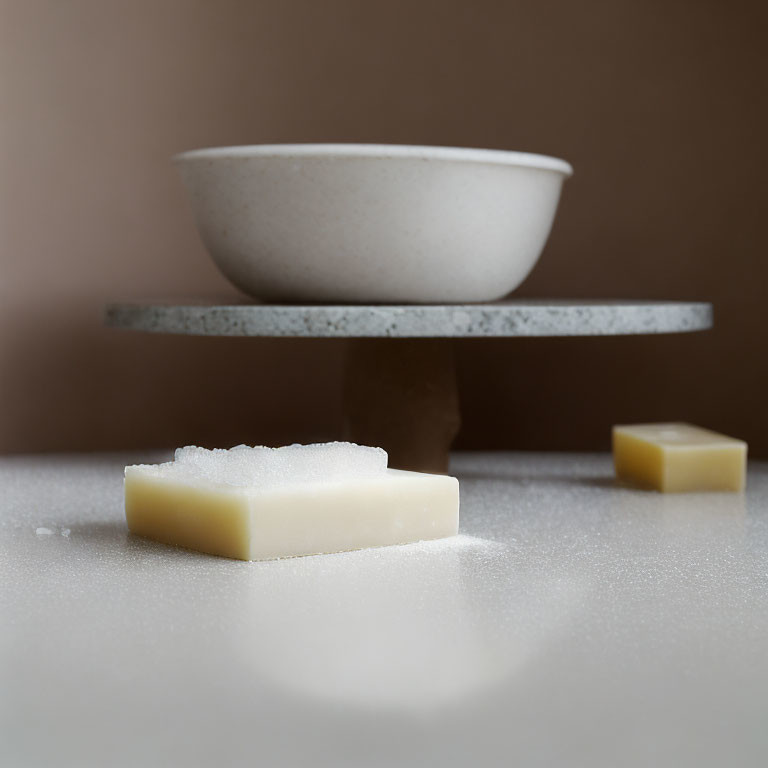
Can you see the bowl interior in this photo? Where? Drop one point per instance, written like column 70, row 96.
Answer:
column 459, row 154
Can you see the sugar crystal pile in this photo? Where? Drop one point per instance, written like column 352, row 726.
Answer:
column 270, row 468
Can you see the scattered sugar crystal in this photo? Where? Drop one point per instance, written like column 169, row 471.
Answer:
column 275, row 467
column 43, row 531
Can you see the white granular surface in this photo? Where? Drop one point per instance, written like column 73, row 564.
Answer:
column 246, row 466
column 574, row 622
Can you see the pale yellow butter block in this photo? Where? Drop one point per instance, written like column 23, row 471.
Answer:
column 679, row 457
column 283, row 518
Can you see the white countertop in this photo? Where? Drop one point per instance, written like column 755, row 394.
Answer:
column 572, row 623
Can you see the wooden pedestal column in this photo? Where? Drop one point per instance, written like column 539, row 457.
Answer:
column 401, row 395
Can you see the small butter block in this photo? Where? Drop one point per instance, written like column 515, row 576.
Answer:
column 265, row 503
column 679, row 457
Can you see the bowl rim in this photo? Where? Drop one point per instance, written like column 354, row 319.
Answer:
column 424, row 152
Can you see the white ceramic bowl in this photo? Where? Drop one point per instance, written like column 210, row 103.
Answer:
column 373, row 223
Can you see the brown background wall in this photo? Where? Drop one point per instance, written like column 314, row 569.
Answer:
column 660, row 106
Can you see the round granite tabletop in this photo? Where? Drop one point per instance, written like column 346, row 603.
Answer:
column 499, row 319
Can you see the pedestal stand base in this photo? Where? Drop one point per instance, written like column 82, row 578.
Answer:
column 401, row 395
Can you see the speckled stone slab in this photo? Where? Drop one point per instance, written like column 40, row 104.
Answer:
column 500, row 319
